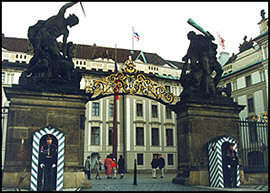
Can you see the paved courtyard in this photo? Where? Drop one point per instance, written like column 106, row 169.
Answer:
column 146, row 183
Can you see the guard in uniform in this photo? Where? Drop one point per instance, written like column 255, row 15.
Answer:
column 234, row 163
column 48, row 162
column 231, row 162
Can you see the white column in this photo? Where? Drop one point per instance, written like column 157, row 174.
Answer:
column 266, row 82
column 4, row 133
column 128, row 122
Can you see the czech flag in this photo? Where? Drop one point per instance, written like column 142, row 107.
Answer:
column 136, row 35
column 221, row 41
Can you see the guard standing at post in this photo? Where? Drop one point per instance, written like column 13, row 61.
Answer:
column 234, row 163
column 48, row 158
column 231, row 162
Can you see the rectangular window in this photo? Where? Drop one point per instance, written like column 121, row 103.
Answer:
column 262, row 76
column 95, row 109
column 139, row 136
column 110, row 109
column 266, row 52
column 169, row 137
column 250, row 105
column 170, row 159
column 154, row 111
column 3, row 77
column 234, row 85
column 139, row 159
column 168, row 113
column 94, row 135
column 248, row 81
column 11, row 78
column 7, row 81
column 139, row 109
column 253, row 135
column 110, row 135
column 155, row 136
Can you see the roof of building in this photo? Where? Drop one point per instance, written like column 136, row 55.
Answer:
column 179, row 65
column 241, row 69
column 246, row 45
column 89, row 52
column 261, row 35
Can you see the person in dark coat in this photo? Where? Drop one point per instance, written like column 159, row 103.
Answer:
column 121, row 166
column 161, row 165
column 154, row 164
column 230, row 170
column 234, row 163
column 87, row 167
column 48, row 159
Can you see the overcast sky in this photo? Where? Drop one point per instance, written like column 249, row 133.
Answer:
column 162, row 26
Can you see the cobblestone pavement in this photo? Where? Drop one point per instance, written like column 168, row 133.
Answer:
column 146, row 183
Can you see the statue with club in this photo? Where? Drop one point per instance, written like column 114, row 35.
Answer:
column 202, row 61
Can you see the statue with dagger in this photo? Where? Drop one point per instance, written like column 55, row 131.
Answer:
column 50, row 57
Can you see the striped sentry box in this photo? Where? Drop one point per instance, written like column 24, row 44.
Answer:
column 215, row 161
column 35, row 156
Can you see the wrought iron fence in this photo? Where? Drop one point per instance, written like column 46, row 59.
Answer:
column 254, row 142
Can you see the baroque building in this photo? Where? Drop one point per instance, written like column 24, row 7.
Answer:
column 145, row 127
column 246, row 73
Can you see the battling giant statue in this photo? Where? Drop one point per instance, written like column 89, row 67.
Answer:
column 201, row 61
column 52, row 61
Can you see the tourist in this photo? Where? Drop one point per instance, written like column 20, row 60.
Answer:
column 98, row 165
column 114, row 168
column 161, row 165
column 87, row 168
column 108, row 164
column 154, row 164
column 121, row 166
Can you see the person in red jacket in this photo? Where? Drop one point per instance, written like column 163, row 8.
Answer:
column 108, row 164
column 114, row 167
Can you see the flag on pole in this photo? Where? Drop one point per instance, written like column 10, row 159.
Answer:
column 221, row 41
column 82, row 9
column 136, row 35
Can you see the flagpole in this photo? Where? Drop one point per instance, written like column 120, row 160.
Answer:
column 132, row 37
column 115, row 116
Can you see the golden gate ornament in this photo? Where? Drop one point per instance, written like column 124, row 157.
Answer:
column 129, row 82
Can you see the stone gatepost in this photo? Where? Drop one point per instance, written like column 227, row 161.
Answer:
column 31, row 110
column 199, row 121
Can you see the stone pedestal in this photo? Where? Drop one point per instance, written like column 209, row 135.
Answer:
column 31, row 110
column 197, row 123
